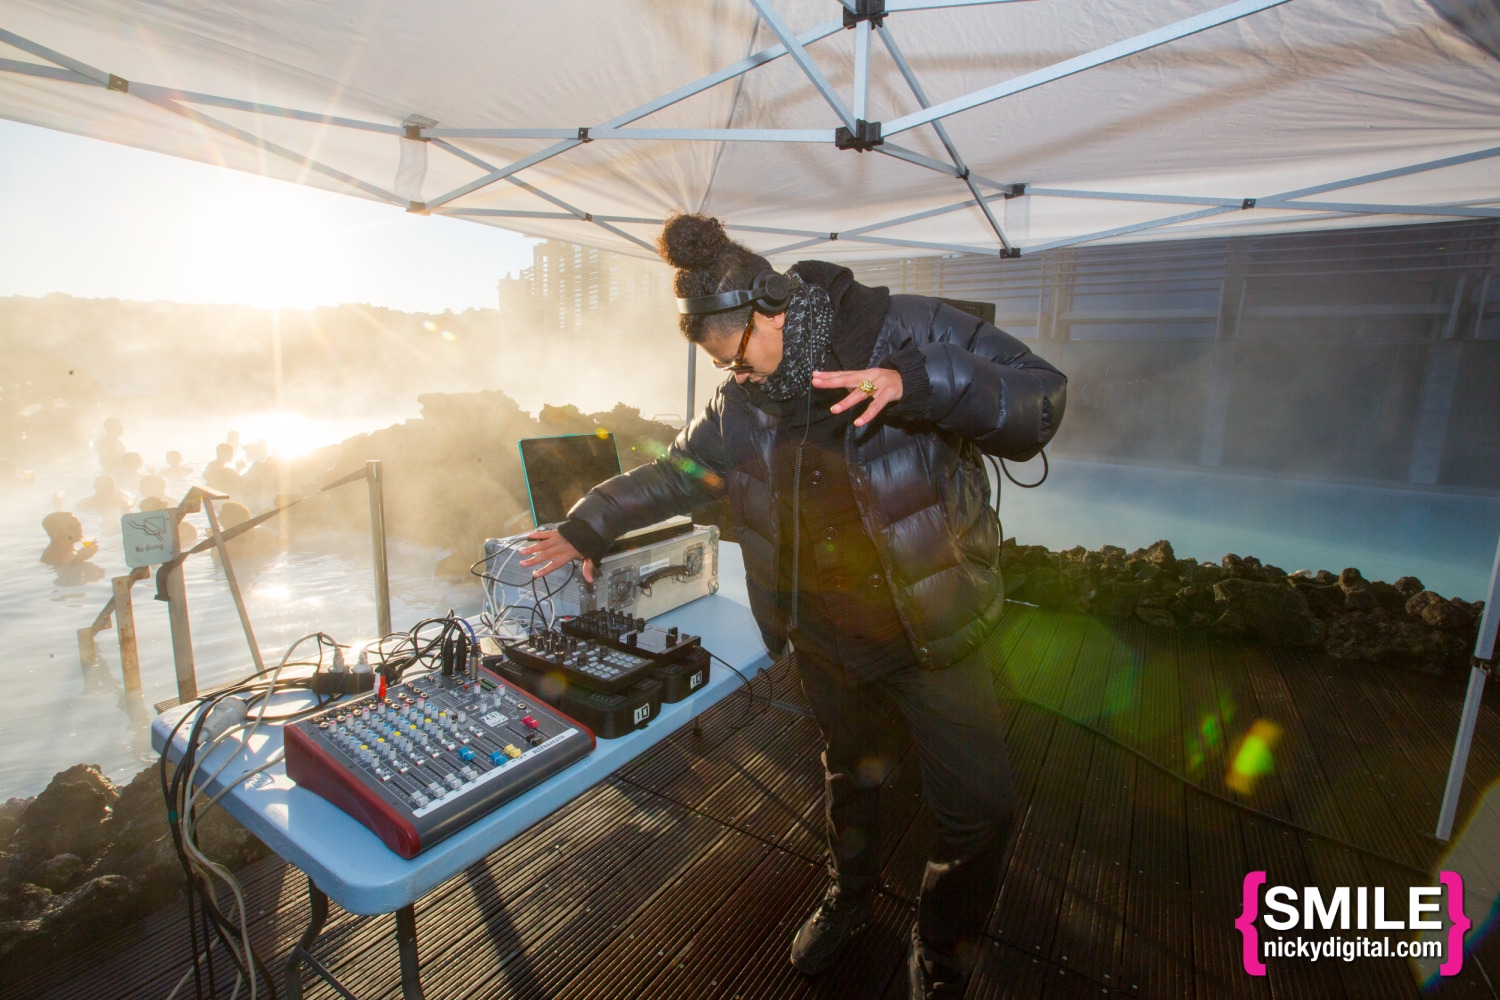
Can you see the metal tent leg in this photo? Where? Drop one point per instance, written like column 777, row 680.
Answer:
column 1484, row 658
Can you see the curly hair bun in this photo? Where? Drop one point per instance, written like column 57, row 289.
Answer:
column 692, row 242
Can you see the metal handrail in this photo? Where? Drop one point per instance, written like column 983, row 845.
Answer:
column 169, row 586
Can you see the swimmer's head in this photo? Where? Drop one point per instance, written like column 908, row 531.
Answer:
column 132, row 461
column 174, row 458
column 233, row 438
column 153, row 503
column 63, row 527
column 104, row 484
column 153, row 486
column 224, row 452
column 233, row 513
column 112, row 425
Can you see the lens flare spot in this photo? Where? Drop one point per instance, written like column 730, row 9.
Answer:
column 1211, row 731
column 448, row 335
column 1255, row 757
column 429, row 326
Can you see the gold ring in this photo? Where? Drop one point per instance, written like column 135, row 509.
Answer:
column 867, row 387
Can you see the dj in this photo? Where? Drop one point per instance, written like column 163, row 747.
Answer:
column 848, row 441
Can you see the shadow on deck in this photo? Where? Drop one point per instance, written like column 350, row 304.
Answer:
column 685, row 874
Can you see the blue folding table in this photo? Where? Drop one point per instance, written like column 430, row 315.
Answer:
column 347, row 863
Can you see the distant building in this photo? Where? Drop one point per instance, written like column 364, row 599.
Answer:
column 577, row 290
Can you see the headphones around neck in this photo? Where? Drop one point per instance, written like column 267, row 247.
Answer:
column 769, row 293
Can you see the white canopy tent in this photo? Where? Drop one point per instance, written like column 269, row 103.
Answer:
column 987, row 127
column 873, row 129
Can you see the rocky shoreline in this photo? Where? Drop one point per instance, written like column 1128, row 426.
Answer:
column 86, row 856
column 1400, row 624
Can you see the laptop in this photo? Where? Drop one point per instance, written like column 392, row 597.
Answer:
column 560, row 470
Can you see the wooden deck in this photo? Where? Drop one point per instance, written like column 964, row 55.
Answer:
column 684, row 875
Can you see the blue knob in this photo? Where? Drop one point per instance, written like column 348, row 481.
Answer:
column 465, row 753
column 497, row 758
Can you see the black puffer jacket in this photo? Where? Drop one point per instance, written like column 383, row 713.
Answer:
column 918, row 478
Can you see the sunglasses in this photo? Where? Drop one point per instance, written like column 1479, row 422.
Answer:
column 737, row 365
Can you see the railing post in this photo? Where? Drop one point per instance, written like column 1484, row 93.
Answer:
column 375, row 480
column 130, row 657
column 88, row 654
column 182, row 636
column 234, row 583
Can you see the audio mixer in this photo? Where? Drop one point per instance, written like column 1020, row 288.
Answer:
column 435, row 754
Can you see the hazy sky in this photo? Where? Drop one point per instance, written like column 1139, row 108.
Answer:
column 99, row 220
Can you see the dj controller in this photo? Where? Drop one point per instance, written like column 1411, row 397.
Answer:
column 433, row 755
column 607, row 669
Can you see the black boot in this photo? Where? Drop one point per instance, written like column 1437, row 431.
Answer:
column 932, row 980
column 837, row 919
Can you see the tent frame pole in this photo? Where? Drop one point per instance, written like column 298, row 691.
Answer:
column 1089, row 60
column 1483, row 663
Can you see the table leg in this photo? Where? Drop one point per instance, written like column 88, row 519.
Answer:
column 319, row 904
column 406, row 944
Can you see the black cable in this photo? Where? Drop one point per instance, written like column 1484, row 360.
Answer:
column 1185, row 780
column 193, row 940
column 1028, row 486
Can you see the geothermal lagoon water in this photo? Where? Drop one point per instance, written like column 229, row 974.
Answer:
column 56, row 716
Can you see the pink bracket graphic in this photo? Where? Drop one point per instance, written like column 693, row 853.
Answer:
column 1453, row 960
column 1245, row 923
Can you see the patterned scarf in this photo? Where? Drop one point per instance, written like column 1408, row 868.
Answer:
column 804, row 341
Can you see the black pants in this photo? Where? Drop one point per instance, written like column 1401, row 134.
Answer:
column 954, row 723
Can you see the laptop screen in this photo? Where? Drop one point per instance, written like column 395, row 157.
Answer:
column 560, row 470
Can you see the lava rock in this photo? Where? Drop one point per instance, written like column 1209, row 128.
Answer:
column 1387, row 596
column 11, row 811
column 1323, row 600
column 1159, row 617
column 1450, row 616
column 61, row 924
column 1379, row 637
column 69, row 816
column 59, row 873
column 1418, row 602
column 1409, row 586
column 1271, row 612
column 1114, row 599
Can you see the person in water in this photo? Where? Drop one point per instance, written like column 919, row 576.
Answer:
column 187, row 534
column 256, row 544
column 110, row 446
column 175, row 469
column 154, row 488
column 67, row 552
column 108, row 499
column 220, row 474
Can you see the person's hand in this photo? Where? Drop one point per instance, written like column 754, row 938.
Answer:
column 89, row 549
column 887, row 390
column 553, row 551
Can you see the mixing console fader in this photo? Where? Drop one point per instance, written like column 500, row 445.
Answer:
column 436, row 754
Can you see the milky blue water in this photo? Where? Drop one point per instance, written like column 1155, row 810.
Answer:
column 1447, row 539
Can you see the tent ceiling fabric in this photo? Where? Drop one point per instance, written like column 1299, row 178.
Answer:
column 1272, row 99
